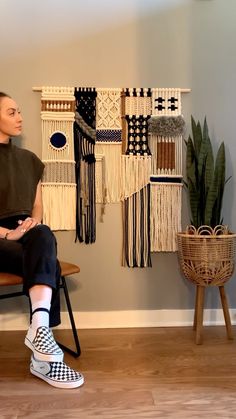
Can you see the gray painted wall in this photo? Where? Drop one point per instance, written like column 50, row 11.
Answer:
column 166, row 43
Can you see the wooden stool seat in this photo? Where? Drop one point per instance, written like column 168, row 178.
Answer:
column 12, row 279
column 67, row 269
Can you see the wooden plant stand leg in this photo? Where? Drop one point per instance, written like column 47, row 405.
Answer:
column 226, row 312
column 195, row 310
column 198, row 316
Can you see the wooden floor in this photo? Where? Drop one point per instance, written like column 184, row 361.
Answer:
column 129, row 373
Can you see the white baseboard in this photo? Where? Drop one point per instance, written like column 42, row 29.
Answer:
column 122, row 319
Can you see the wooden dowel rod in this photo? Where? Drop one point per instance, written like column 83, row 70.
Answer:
column 39, row 89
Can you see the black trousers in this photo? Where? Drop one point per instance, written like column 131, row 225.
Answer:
column 34, row 257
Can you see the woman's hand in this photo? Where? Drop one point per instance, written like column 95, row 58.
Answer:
column 23, row 227
column 28, row 223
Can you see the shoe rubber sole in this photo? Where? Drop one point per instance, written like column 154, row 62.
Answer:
column 41, row 356
column 58, row 384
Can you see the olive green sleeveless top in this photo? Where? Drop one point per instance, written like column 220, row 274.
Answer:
column 20, row 172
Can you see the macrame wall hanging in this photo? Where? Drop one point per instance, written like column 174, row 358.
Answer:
column 136, row 170
column 166, row 127
column 58, row 183
column 108, row 145
column 135, row 137
column 84, row 142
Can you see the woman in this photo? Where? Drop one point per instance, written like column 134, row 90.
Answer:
column 28, row 248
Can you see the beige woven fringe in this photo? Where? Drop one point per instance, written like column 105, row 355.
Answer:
column 58, row 183
column 135, row 174
column 56, row 214
column 165, row 216
column 101, row 189
column 110, row 174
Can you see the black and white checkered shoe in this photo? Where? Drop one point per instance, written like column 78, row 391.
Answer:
column 43, row 345
column 57, row 374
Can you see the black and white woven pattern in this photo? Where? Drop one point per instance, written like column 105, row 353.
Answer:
column 137, row 135
column 44, row 341
column 108, row 136
column 61, row 372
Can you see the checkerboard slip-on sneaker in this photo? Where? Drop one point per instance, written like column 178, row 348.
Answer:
column 57, row 374
column 43, row 345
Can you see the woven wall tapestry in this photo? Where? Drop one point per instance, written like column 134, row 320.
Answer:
column 136, row 170
column 84, row 142
column 135, row 137
column 166, row 127
column 58, row 183
column 108, row 145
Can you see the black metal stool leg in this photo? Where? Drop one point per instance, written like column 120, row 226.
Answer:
column 72, row 321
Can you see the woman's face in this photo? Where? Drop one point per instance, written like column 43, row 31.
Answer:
column 10, row 119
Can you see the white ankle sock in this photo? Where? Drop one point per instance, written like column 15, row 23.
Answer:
column 40, row 317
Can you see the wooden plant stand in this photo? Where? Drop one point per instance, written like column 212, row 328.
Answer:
column 206, row 257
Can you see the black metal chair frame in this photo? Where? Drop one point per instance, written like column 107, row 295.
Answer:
column 63, row 285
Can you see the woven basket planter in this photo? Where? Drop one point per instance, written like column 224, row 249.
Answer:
column 206, row 255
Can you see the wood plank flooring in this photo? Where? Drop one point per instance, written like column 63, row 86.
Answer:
column 129, row 373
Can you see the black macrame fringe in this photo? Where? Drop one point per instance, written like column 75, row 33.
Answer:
column 84, row 144
column 136, row 221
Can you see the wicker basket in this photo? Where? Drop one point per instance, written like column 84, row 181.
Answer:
column 206, row 256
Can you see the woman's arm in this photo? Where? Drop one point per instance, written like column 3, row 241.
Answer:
column 37, row 211
column 29, row 222
column 3, row 232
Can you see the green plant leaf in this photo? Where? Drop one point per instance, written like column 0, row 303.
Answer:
column 219, row 177
column 197, row 135
column 205, row 180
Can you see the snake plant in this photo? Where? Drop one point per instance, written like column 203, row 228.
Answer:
column 205, row 177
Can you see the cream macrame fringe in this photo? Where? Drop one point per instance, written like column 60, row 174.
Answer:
column 111, row 175
column 100, row 183
column 164, row 162
column 56, row 214
column 165, row 216
column 135, row 174
column 100, row 179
